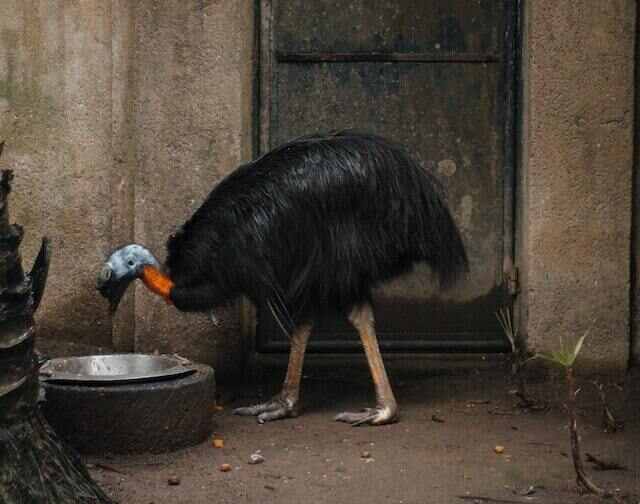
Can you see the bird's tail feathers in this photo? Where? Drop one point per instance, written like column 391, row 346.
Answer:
column 440, row 242
column 448, row 257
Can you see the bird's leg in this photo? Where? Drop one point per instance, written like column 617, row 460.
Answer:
column 284, row 404
column 386, row 410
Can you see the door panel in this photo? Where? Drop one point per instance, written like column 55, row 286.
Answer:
column 388, row 26
column 432, row 78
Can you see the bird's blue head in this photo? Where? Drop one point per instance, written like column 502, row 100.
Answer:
column 123, row 266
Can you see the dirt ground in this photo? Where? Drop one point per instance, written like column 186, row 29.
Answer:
column 442, row 451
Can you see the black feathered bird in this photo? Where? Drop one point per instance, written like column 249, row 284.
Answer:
column 314, row 224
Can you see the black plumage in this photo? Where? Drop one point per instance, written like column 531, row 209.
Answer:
column 315, row 223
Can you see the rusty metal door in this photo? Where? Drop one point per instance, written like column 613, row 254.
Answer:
column 438, row 77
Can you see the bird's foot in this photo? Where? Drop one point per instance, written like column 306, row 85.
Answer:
column 276, row 408
column 370, row 416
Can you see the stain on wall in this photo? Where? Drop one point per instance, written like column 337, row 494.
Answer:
column 635, row 229
column 57, row 125
column 119, row 118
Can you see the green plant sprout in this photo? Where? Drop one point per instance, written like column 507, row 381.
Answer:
column 566, row 357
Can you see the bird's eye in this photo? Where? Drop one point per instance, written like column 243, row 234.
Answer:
column 130, row 262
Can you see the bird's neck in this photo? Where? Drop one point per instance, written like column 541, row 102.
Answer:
column 157, row 282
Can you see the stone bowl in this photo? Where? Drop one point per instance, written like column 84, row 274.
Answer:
column 128, row 403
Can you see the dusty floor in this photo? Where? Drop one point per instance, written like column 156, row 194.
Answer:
column 442, row 451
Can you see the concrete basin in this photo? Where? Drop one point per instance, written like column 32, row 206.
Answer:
column 128, row 403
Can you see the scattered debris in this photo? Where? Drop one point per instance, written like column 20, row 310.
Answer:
column 225, row 467
column 497, row 412
column 437, row 419
column 609, row 422
column 173, row 480
column 530, row 490
column 536, row 407
column 499, row 449
column 218, row 443
column 540, row 443
column 255, row 458
column 604, row 465
column 106, row 467
column 365, row 455
column 477, row 499
column 270, row 487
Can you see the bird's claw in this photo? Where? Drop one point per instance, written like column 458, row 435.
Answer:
column 369, row 416
column 273, row 409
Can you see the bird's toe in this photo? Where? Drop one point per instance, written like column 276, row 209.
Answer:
column 369, row 416
column 269, row 416
column 352, row 417
column 270, row 410
column 257, row 409
column 246, row 411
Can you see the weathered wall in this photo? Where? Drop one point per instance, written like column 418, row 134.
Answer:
column 576, row 188
column 635, row 230
column 119, row 118
column 193, row 73
column 55, row 88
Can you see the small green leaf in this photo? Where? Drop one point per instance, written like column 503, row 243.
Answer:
column 553, row 357
column 564, row 357
column 579, row 344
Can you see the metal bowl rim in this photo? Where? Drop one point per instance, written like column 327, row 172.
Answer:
column 181, row 367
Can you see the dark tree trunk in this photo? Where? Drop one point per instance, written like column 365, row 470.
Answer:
column 35, row 465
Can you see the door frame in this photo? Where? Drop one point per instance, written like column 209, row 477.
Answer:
column 262, row 101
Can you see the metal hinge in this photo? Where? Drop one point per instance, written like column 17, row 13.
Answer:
column 513, row 284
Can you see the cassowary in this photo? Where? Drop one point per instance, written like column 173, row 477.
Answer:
column 313, row 225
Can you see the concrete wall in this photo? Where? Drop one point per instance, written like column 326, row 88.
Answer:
column 193, row 73
column 119, row 118
column 575, row 193
column 635, row 229
column 55, row 90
